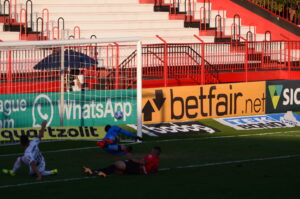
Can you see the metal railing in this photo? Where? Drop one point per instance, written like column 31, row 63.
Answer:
column 195, row 63
column 288, row 10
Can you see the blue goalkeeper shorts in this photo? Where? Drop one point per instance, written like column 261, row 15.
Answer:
column 114, row 149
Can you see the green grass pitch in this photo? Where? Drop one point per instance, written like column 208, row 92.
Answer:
column 228, row 164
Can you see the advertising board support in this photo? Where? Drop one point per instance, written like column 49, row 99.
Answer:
column 288, row 53
column 202, row 64
column 289, row 58
column 246, row 57
column 202, row 59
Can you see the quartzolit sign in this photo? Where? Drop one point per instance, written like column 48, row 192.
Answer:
column 83, row 132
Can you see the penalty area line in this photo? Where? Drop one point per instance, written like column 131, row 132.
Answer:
column 162, row 169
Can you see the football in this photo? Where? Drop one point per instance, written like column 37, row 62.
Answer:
column 118, row 115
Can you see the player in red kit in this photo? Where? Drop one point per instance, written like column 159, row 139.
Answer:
column 149, row 164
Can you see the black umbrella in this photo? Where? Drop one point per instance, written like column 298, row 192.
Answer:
column 73, row 60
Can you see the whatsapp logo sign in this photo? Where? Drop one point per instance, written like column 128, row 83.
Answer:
column 42, row 109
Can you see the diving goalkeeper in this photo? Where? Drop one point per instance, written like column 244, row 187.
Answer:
column 32, row 157
column 110, row 143
column 149, row 164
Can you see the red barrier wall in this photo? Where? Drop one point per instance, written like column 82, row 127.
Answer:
column 30, row 87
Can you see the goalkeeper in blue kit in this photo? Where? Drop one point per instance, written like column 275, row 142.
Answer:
column 110, row 143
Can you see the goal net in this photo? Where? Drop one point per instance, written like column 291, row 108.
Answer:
column 76, row 85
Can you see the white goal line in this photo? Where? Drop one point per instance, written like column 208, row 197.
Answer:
column 159, row 141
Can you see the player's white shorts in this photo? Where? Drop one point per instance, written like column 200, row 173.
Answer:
column 41, row 166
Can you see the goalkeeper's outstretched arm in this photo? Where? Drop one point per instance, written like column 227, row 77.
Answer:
column 129, row 134
column 42, row 130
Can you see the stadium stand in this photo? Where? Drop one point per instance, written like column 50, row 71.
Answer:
column 109, row 19
column 212, row 20
column 186, row 42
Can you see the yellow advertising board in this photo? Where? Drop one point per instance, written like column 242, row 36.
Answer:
column 200, row 102
column 54, row 133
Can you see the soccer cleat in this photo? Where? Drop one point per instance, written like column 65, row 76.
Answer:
column 101, row 174
column 8, row 172
column 87, row 171
column 107, row 141
column 104, row 143
column 101, row 144
column 54, row 171
column 138, row 138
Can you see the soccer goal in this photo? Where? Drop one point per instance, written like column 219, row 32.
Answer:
column 69, row 83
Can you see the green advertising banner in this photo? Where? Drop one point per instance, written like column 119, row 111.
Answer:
column 80, row 108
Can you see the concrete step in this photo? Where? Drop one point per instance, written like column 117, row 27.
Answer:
column 243, row 30
column 87, row 2
column 184, row 6
column 133, row 32
column 78, row 8
column 8, row 36
column 109, row 16
column 119, row 25
column 176, row 39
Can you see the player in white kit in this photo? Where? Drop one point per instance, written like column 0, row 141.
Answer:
column 32, row 157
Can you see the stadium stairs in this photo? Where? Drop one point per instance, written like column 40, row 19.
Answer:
column 117, row 18
column 205, row 15
column 18, row 22
column 207, row 20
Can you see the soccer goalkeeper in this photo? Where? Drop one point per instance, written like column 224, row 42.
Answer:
column 110, row 143
column 149, row 164
column 32, row 157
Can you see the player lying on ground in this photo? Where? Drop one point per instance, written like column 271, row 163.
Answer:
column 149, row 164
column 32, row 157
column 110, row 142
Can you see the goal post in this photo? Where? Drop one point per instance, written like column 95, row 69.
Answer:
column 139, row 75
column 70, row 83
